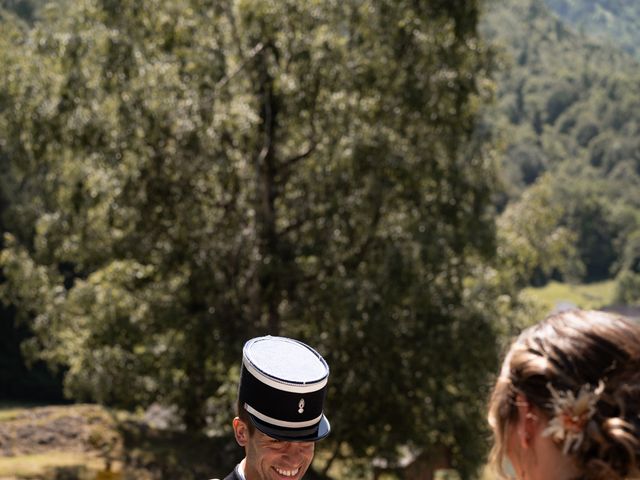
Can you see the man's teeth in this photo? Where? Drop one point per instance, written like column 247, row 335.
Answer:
column 287, row 473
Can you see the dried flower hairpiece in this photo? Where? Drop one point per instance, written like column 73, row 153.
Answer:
column 571, row 415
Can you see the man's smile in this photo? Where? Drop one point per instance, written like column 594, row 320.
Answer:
column 286, row 472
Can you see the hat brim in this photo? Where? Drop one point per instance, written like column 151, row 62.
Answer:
column 313, row 434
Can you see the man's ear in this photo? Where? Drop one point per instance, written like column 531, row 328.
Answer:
column 527, row 421
column 241, row 431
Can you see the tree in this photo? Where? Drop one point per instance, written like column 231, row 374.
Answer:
column 533, row 242
column 195, row 173
column 626, row 291
column 588, row 212
column 628, row 278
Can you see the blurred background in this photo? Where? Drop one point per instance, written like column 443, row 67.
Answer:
column 402, row 184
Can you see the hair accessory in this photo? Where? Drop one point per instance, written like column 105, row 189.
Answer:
column 571, row 414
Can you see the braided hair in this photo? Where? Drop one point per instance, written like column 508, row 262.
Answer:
column 586, row 360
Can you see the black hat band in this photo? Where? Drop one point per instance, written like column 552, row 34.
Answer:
column 299, row 434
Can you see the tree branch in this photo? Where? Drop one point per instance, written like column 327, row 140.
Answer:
column 288, row 163
column 356, row 255
column 334, row 455
column 294, row 226
column 313, row 143
column 255, row 51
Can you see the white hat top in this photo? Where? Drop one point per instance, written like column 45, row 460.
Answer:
column 286, row 360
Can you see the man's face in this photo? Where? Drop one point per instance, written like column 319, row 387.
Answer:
column 269, row 459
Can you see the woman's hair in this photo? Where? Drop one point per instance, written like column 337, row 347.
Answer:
column 562, row 357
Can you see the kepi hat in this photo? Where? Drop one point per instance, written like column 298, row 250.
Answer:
column 282, row 388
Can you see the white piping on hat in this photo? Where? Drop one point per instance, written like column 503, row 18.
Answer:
column 282, row 385
column 281, row 423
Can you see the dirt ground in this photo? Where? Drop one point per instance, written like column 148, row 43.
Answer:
column 78, row 428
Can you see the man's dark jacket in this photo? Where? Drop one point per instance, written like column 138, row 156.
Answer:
column 232, row 476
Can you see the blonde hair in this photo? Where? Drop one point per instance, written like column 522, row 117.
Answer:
column 565, row 352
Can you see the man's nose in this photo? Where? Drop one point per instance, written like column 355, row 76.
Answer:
column 297, row 447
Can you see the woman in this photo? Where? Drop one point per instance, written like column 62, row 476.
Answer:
column 567, row 402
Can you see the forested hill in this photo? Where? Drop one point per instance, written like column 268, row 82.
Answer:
column 614, row 21
column 567, row 104
column 25, row 9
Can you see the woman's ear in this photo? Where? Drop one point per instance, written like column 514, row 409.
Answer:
column 241, row 431
column 527, row 421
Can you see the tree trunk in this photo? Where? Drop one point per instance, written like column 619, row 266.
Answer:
column 266, row 167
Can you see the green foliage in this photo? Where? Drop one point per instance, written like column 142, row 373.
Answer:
column 627, row 288
column 561, row 98
column 532, row 240
column 589, row 213
column 628, row 280
column 190, row 174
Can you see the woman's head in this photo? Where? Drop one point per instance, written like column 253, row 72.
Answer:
column 580, row 370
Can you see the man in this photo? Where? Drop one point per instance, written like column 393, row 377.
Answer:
column 280, row 409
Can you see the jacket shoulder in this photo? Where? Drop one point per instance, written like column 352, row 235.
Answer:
column 231, row 476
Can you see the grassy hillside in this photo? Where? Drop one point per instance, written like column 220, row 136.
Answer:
column 557, row 295
column 88, row 442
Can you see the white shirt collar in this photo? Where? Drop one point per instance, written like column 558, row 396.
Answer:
column 240, row 469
